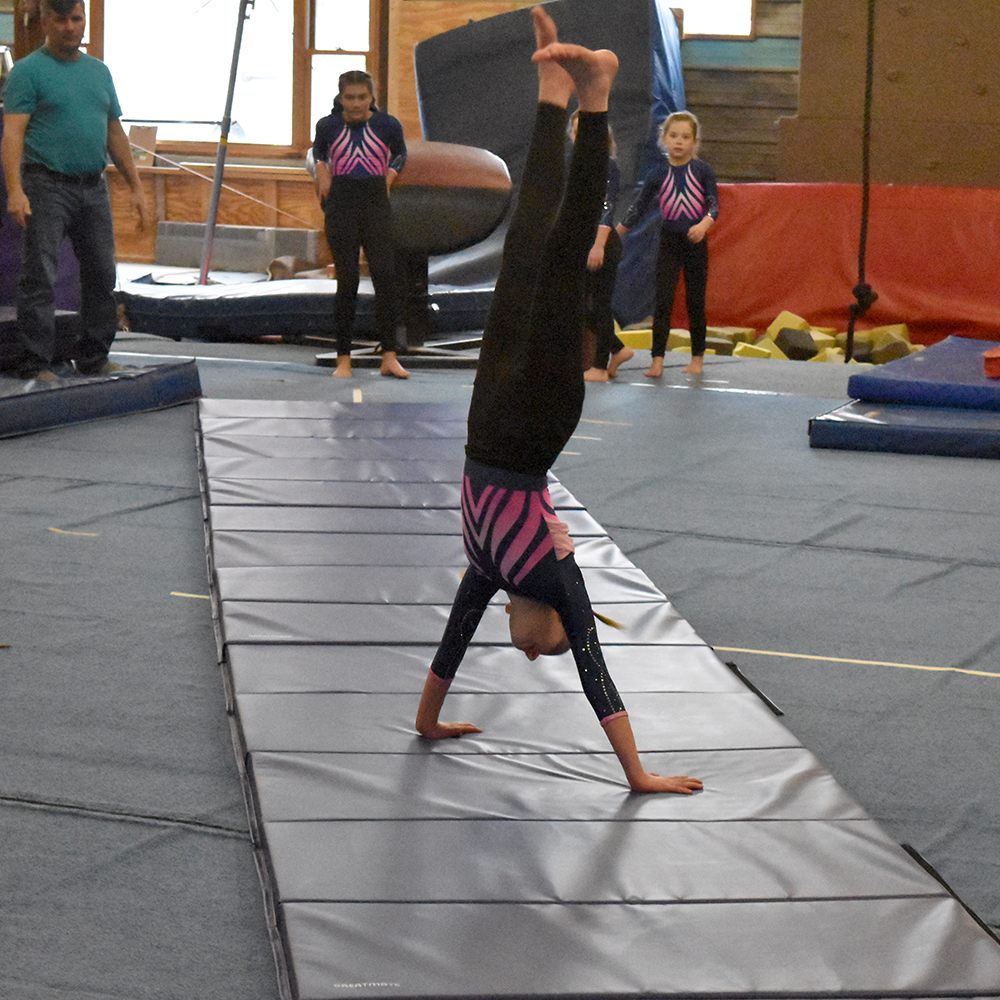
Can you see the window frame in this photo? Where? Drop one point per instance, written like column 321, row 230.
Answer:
column 749, row 37
column 302, row 53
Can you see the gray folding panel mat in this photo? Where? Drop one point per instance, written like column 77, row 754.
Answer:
column 517, row 863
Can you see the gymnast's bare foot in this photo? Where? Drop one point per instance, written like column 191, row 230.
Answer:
column 655, row 370
column 390, row 366
column 697, row 365
column 343, row 369
column 591, row 71
column 555, row 85
column 596, row 375
column 619, row 358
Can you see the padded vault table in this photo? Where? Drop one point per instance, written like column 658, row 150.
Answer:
column 517, row 863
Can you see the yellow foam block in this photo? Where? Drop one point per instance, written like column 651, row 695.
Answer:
column 687, row 350
column 860, row 337
column 734, row 334
column 786, row 319
column 638, row 340
column 772, row 348
column 744, row 350
column 895, row 331
column 916, row 347
column 679, row 338
column 829, row 354
column 822, row 339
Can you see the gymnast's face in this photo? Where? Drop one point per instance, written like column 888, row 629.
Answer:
column 356, row 100
column 679, row 140
column 535, row 628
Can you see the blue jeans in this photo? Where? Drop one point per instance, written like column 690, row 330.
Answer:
column 83, row 213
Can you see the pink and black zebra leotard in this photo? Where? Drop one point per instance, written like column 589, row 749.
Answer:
column 363, row 150
column 686, row 195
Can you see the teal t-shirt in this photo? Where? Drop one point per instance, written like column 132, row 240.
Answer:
column 70, row 104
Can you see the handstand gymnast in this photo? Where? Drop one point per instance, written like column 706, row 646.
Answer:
column 527, row 401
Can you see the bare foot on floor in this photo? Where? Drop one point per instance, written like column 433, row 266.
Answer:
column 592, row 71
column 655, row 370
column 343, row 369
column 391, row 366
column 696, row 367
column 619, row 358
column 596, row 375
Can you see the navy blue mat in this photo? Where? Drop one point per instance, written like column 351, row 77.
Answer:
column 516, row 862
column 949, row 373
column 912, row 430
column 295, row 308
column 34, row 406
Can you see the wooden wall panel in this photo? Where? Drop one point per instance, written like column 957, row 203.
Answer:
column 936, row 94
column 740, row 111
column 778, row 19
column 132, row 243
column 179, row 196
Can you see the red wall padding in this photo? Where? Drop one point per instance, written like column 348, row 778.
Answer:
column 933, row 257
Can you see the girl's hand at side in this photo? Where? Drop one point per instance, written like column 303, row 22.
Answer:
column 697, row 233
column 595, row 259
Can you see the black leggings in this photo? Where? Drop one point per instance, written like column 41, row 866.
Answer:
column 600, row 319
column 357, row 215
column 678, row 253
column 529, row 388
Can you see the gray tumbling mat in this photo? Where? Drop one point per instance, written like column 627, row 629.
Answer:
column 516, row 862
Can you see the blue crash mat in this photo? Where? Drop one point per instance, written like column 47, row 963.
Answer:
column 913, row 430
column 949, row 373
column 515, row 862
column 294, row 307
column 29, row 407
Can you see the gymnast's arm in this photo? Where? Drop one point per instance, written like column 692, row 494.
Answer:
column 637, row 210
column 321, row 156
column 397, row 151
column 577, row 617
column 474, row 595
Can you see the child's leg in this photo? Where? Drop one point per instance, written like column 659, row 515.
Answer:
column 695, row 284
column 601, row 286
column 668, row 270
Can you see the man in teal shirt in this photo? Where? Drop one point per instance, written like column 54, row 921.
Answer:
column 61, row 121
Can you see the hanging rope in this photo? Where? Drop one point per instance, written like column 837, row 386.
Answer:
column 863, row 293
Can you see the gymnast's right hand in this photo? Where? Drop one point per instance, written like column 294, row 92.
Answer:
column 445, row 730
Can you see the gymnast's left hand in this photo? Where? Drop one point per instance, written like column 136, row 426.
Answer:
column 698, row 232
column 447, row 730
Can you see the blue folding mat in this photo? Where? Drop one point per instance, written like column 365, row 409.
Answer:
column 938, row 401
column 517, row 863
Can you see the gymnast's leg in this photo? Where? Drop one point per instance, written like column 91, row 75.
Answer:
column 523, row 355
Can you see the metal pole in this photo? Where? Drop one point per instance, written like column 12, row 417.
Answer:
column 220, row 160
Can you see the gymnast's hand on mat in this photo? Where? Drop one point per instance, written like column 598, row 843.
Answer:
column 679, row 783
column 428, row 724
column 446, row 730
